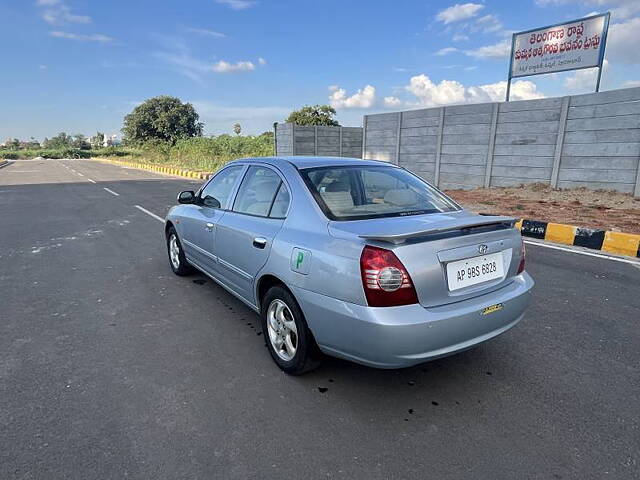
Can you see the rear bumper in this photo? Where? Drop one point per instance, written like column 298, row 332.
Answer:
column 395, row 337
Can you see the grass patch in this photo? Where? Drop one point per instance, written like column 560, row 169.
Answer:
column 206, row 154
column 65, row 153
column 199, row 154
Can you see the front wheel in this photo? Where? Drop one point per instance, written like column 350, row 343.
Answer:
column 177, row 260
column 288, row 337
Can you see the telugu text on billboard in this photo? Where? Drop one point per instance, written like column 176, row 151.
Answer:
column 568, row 46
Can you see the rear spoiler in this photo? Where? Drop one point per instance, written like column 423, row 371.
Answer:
column 397, row 238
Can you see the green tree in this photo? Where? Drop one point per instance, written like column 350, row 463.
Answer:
column 62, row 140
column 12, row 143
column 80, row 141
column 237, row 128
column 162, row 118
column 313, row 115
column 97, row 140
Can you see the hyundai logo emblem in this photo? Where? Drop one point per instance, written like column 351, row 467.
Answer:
column 482, row 248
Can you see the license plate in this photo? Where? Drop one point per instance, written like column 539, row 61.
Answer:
column 472, row 271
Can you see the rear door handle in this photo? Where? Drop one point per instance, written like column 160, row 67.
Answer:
column 209, row 227
column 259, row 242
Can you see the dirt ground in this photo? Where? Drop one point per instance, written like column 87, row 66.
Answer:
column 606, row 210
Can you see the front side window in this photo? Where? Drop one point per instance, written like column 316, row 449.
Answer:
column 257, row 192
column 216, row 193
column 355, row 193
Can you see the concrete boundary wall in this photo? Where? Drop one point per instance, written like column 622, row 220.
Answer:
column 318, row 140
column 590, row 140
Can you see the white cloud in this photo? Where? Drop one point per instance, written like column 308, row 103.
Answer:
column 447, row 92
column 262, row 61
column 399, row 69
column 631, row 83
column 498, row 50
column 459, row 12
column 430, row 94
column 392, row 102
column 363, row 98
column 57, row 12
column 237, row 4
column 179, row 59
column 94, row 37
column 488, row 24
column 496, row 92
column 205, row 32
column 446, row 51
column 582, row 81
column 226, row 67
column 622, row 41
column 459, row 37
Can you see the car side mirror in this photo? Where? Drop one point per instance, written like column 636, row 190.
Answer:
column 210, row 201
column 188, row 196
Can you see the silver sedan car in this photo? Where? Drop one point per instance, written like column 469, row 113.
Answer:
column 353, row 258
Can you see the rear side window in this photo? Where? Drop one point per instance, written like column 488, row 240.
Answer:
column 281, row 203
column 257, row 192
column 356, row 193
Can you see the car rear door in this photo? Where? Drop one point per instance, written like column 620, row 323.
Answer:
column 198, row 228
column 245, row 233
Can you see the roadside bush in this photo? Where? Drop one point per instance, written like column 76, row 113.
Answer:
column 113, row 152
column 56, row 153
column 205, row 154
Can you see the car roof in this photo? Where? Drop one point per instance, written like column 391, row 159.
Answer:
column 301, row 162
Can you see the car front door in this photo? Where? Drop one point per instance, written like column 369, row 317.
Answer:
column 245, row 233
column 199, row 225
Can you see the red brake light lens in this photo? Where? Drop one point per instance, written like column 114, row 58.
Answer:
column 385, row 280
column 522, row 259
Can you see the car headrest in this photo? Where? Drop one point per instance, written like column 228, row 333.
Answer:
column 338, row 187
column 402, row 197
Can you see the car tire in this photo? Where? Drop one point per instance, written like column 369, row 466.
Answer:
column 284, row 326
column 177, row 261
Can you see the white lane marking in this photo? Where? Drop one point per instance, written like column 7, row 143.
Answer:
column 80, row 174
column 111, row 192
column 150, row 213
column 92, row 181
column 582, row 252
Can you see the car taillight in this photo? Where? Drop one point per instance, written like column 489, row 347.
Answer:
column 524, row 254
column 385, row 280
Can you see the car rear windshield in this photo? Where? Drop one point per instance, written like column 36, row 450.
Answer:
column 369, row 191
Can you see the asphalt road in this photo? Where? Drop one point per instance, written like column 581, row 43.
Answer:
column 111, row 367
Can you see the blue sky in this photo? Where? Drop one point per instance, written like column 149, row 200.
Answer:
column 81, row 65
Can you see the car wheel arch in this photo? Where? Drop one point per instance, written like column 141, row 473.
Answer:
column 168, row 225
column 266, row 282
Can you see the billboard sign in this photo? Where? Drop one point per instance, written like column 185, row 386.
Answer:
column 558, row 48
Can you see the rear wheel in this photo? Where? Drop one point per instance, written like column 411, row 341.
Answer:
column 177, row 260
column 288, row 337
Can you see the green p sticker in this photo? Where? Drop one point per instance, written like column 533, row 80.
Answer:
column 300, row 260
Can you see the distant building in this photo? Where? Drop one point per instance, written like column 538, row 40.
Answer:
column 111, row 141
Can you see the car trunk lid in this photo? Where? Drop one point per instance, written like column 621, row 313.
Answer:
column 426, row 244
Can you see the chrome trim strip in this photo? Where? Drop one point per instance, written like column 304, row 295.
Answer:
column 201, row 250
column 235, row 269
